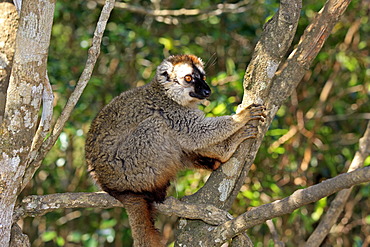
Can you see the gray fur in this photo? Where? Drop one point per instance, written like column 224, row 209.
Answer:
column 143, row 137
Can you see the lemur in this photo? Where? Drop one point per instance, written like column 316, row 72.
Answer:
column 143, row 137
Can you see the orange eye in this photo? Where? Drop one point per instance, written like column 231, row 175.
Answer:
column 204, row 78
column 188, row 78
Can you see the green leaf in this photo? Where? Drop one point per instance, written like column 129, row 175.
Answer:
column 367, row 220
column 74, row 237
column 48, row 236
column 108, row 223
column 60, row 241
column 167, row 42
column 218, row 110
column 91, row 242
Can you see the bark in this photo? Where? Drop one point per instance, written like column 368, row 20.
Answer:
column 32, row 206
column 23, row 104
column 8, row 30
column 18, row 238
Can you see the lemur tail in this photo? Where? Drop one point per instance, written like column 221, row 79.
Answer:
column 140, row 213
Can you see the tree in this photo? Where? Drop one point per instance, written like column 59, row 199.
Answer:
column 25, row 142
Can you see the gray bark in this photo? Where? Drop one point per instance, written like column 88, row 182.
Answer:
column 8, row 30
column 23, row 104
column 22, row 148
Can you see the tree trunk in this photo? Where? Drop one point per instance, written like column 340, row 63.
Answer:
column 8, row 29
column 23, row 104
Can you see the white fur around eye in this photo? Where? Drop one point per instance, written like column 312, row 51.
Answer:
column 182, row 70
column 200, row 68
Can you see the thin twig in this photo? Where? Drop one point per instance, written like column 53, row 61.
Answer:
column 345, row 117
column 337, row 205
column 274, row 234
column 292, row 131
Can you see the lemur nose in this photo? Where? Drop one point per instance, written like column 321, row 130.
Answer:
column 206, row 92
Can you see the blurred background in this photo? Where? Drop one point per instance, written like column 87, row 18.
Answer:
column 313, row 137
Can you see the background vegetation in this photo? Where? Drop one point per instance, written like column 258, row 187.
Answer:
column 313, row 137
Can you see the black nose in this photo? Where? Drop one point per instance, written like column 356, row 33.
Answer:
column 206, row 92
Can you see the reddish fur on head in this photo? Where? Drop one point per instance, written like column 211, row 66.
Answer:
column 191, row 59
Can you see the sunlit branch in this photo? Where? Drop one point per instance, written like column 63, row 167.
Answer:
column 39, row 205
column 299, row 198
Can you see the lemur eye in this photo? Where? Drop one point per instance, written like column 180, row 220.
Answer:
column 188, row 78
column 204, row 78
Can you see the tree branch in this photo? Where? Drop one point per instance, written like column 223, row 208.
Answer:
column 274, row 234
column 219, row 9
column 45, row 122
column 93, row 54
column 23, row 103
column 18, row 238
column 168, row 16
column 269, row 52
column 8, row 31
column 208, row 213
column 300, row 59
column 274, row 43
column 39, row 205
column 337, row 205
column 32, row 206
column 287, row 205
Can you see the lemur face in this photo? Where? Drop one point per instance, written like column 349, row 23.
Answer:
column 183, row 78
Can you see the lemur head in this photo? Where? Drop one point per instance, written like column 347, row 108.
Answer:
column 183, row 78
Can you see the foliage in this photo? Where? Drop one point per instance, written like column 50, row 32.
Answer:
column 313, row 137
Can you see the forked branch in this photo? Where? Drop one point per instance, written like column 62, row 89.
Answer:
column 287, row 205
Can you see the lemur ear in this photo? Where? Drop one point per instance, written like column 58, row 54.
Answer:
column 163, row 71
column 165, row 74
column 165, row 66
